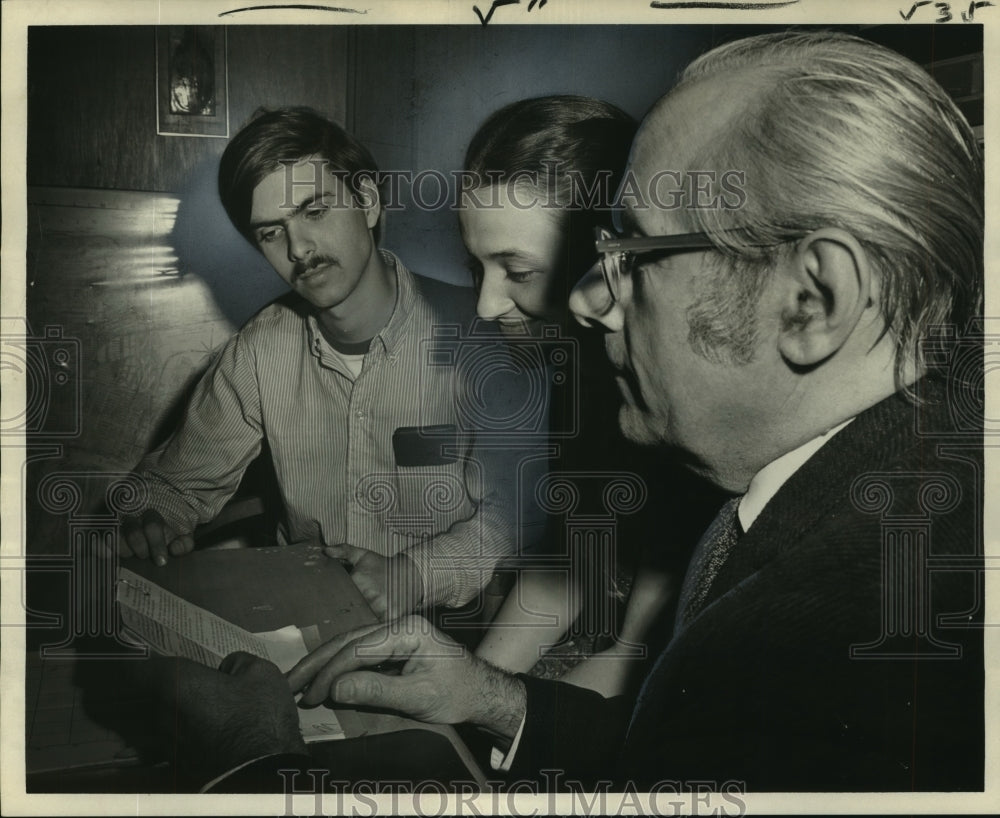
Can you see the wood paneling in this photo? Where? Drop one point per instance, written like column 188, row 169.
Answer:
column 119, row 279
column 103, row 270
column 91, row 100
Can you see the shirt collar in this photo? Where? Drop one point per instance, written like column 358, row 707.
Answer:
column 774, row 475
column 395, row 328
column 406, row 297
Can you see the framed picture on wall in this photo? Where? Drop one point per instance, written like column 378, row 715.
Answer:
column 192, row 95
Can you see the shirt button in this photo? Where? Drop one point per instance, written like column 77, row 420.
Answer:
column 361, row 415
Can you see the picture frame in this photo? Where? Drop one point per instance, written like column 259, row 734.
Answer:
column 192, row 81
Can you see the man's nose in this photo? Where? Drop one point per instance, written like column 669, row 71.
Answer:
column 493, row 299
column 300, row 242
column 591, row 302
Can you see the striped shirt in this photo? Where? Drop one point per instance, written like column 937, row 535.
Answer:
column 448, row 505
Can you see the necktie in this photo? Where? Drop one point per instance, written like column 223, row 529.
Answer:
column 709, row 556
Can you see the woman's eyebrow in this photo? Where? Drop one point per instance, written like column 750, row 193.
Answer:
column 514, row 254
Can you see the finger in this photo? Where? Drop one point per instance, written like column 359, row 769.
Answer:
column 157, row 533
column 307, row 667
column 345, row 551
column 366, row 651
column 135, row 541
column 364, row 583
column 400, row 604
column 237, row 662
column 373, row 594
column 182, row 544
column 378, row 603
column 373, row 589
column 414, row 697
column 363, row 687
column 395, row 642
column 409, row 589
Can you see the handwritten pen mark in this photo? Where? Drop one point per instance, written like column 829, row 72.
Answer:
column 299, row 6
column 657, row 4
column 496, row 4
column 913, row 9
column 531, row 5
column 968, row 18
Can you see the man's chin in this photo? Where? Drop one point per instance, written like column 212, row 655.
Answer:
column 321, row 300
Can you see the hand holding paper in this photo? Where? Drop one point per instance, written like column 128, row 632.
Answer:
column 222, row 718
column 149, row 535
column 391, row 586
column 174, row 627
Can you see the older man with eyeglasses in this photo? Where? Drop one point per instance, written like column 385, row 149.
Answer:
column 828, row 633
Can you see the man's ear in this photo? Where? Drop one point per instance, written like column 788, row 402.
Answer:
column 368, row 199
column 828, row 288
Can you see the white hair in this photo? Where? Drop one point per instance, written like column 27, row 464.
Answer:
column 847, row 133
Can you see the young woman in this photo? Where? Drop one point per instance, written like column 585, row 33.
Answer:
column 542, row 174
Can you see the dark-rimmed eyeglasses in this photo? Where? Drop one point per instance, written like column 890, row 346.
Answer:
column 618, row 254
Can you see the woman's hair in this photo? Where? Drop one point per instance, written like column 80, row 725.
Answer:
column 570, row 151
column 282, row 136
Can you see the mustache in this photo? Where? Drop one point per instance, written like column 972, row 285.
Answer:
column 303, row 267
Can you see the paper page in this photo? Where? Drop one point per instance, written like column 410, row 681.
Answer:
column 175, row 627
column 285, row 647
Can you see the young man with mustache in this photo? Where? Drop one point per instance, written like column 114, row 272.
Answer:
column 332, row 377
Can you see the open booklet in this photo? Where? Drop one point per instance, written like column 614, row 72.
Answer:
column 174, row 627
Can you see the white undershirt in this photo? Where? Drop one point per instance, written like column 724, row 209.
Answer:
column 352, row 362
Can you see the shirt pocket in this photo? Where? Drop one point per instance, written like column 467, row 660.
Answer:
column 430, row 499
column 426, row 493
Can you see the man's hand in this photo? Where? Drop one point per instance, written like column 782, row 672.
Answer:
column 440, row 681
column 391, row 585
column 150, row 536
column 219, row 719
